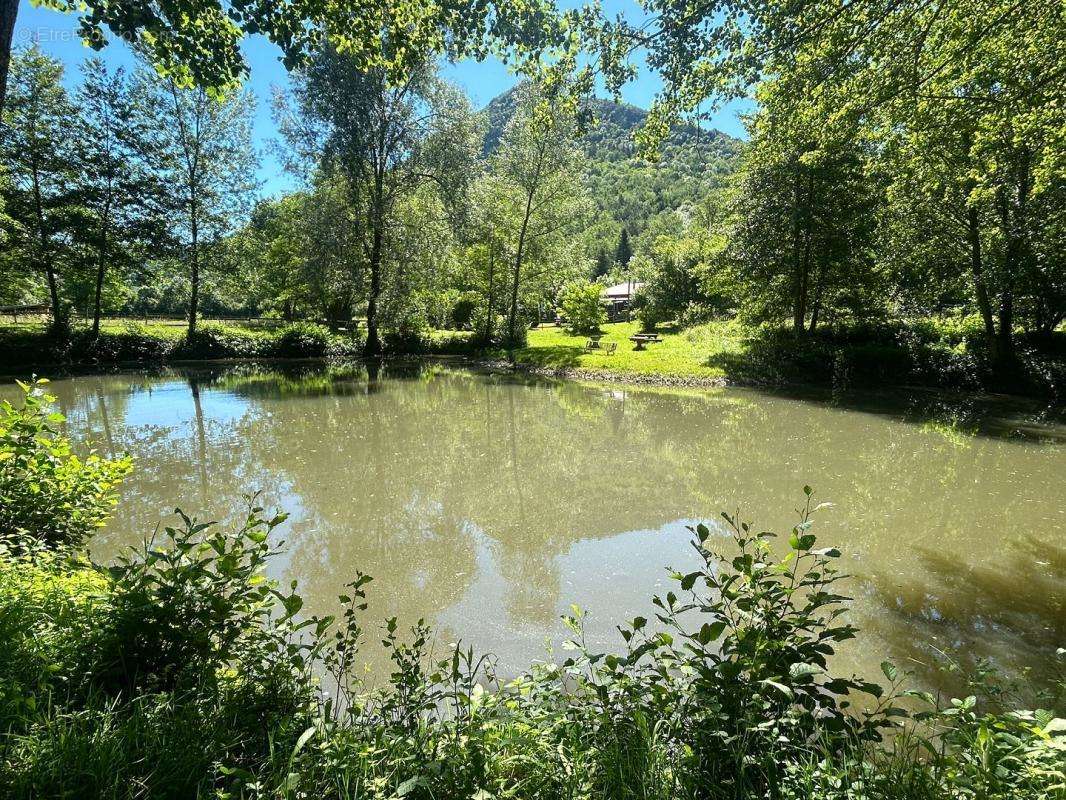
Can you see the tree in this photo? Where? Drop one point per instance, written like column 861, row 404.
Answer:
column 386, row 140
column 582, row 306
column 299, row 254
column 970, row 92
column 116, row 184
column 603, row 264
column 536, row 186
column 683, row 267
column 207, row 157
column 9, row 10
column 35, row 139
column 984, row 179
column 197, row 42
column 803, row 237
column 624, row 252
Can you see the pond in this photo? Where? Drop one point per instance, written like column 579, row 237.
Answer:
column 488, row 504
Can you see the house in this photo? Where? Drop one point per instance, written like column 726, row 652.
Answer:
column 619, row 298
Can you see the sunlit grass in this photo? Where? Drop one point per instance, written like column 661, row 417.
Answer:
column 685, row 354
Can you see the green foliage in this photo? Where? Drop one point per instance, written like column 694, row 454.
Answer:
column 905, row 157
column 48, row 611
column 627, row 190
column 463, row 310
column 35, row 147
column 185, row 608
column 49, row 496
column 532, row 203
column 183, row 670
column 582, row 307
column 213, row 340
column 301, row 340
column 198, row 41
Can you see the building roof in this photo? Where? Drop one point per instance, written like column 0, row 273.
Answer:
column 621, row 291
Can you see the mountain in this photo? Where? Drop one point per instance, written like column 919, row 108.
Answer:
column 627, row 189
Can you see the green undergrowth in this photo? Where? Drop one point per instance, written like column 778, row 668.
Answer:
column 946, row 353
column 182, row 670
column 30, row 347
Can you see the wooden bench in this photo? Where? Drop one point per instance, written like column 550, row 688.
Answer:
column 610, row 347
column 641, row 340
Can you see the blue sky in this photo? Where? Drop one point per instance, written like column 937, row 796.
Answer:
column 56, row 34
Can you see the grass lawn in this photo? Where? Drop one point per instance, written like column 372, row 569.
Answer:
column 692, row 353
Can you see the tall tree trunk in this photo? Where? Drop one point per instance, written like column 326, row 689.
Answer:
column 801, row 277
column 1016, row 252
column 9, row 10
column 488, row 297
column 1005, row 347
column 512, row 322
column 984, row 305
column 46, row 257
column 194, row 274
column 373, row 339
column 816, row 306
column 100, row 267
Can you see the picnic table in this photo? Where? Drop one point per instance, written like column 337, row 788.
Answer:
column 640, row 340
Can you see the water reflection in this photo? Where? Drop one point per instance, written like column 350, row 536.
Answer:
column 488, row 504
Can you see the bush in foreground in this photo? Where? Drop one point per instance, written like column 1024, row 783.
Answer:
column 183, row 671
column 49, row 495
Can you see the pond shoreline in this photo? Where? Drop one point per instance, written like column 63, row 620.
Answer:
column 659, row 379
column 495, row 365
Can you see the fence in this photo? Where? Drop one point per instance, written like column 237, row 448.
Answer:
column 31, row 316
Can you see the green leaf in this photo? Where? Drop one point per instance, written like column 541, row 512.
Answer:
column 779, row 686
column 710, row 631
column 803, row 670
column 292, row 603
column 408, row 786
column 889, row 670
column 305, row 737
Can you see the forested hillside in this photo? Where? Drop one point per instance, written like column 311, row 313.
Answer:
column 629, row 190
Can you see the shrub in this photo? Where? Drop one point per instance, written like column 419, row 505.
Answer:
column 646, row 312
column 49, row 495
column 580, row 304
column 212, row 340
column 408, row 340
column 185, row 608
column 301, row 340
column 48, row 608
column 463, row 310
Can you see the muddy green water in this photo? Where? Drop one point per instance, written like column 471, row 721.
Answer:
column 488, row 505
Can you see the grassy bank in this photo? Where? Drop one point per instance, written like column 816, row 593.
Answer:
column 183, row 671
column 945, row 354
column 682, row 355
column 948, row 353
